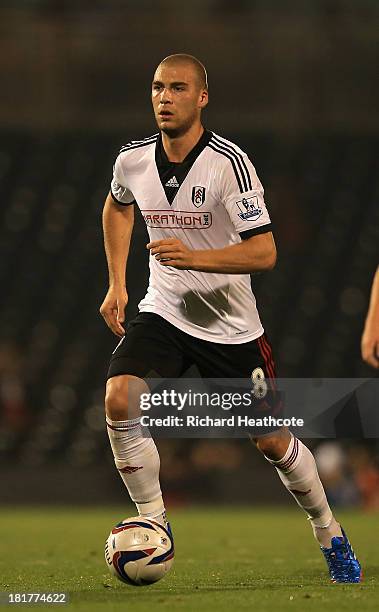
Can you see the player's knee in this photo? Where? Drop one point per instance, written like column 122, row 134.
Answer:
column 122, row 397
column 275, row 445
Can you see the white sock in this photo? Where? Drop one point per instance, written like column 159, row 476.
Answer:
column 137, row 460
column 298, row 472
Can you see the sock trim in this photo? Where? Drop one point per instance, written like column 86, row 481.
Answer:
column 123, row 425
column 286, row 464
column 292, row 458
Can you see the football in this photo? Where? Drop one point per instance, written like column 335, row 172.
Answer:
column 139, row 551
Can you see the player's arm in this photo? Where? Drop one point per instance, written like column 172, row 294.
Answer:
column 118, row 223
column 370, row 337
column 254, row 254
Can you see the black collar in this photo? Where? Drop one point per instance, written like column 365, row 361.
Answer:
column 173, row 174
column 161, row 155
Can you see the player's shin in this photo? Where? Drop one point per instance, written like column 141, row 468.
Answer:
column 298, row 472
column 137, row 461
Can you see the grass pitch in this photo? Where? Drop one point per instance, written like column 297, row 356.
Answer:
column 245, row 559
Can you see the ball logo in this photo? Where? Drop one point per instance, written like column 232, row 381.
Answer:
column 198, row 195
column 249, row 208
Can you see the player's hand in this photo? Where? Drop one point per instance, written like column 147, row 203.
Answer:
column 370, row 347
column 172, row 252
column 113, row 309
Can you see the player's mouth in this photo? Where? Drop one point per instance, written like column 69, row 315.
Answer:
column 165, row 114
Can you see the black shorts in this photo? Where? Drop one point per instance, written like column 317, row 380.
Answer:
column 153, row 348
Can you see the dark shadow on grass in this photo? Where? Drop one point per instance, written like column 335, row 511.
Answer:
column 109, row 594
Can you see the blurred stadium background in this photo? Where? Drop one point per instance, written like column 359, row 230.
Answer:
column 294, row 83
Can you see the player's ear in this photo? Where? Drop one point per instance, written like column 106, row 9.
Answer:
column 203, row 98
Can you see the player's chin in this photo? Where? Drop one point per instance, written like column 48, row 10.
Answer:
column 169, row 129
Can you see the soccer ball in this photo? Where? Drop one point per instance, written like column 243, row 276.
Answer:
column 139, row 551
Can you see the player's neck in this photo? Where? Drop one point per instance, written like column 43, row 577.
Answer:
column 178, row 148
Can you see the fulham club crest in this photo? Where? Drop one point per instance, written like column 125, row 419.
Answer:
column 198, row 195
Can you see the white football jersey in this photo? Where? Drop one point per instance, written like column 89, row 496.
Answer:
column 211, row 200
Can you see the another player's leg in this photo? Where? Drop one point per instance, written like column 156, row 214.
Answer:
column 136, row 455
column 297, row 470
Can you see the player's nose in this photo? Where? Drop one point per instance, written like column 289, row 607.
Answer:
column 165, row 96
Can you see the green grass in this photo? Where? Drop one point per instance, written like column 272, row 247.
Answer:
column 226, row 560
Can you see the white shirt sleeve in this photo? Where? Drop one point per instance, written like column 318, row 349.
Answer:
column 242, row 196
column 119, row 190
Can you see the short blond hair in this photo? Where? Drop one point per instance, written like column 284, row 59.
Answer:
column 185, row 58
